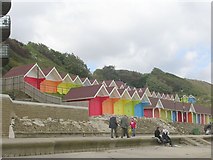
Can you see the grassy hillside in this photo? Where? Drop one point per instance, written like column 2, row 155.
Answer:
column 21, row 54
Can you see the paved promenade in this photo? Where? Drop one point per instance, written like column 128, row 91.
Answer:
column 103, row 147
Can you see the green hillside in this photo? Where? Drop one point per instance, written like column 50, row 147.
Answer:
column 157, row 80
column 21, row 54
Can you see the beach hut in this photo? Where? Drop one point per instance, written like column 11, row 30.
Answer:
column 191, row 99
column 124, row 99
column 108, row 104
column 170, row 111
column 94, row 82
column 66, row 84
column 130, row 106
column 153, row 110
column 76, row 79
column 154, row 95
column 52, row 80
column 139, row 108
column 85, row 81
column 94, row 95
column 203, row 114
column 31, row 73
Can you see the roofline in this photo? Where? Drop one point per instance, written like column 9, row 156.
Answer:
column 100, row 90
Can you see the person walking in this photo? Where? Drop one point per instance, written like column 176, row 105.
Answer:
column 124, row 125
column 113, row 125
column 133, row 126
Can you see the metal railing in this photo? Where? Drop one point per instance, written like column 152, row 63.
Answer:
column 18, row 83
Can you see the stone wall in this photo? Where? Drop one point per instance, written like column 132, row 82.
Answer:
column 32, row 110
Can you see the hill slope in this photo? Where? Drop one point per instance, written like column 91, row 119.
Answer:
column 21, row 54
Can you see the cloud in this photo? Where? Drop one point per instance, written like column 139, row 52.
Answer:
column 136, row 35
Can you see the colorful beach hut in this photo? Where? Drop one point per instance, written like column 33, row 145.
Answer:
column 124, row 99
column 139, row 108
column 108, row 104
column 130, row 106
column 76, row 79
column 95, row 95
column 170, row 111
column 66, row 84
column 52, row 80
column 153, row 110
column 32, row 74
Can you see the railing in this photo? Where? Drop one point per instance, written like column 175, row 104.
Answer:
column 4, row 51
column 17, row 83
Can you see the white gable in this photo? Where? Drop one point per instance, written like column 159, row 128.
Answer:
column 159, row 104
column 53, row 75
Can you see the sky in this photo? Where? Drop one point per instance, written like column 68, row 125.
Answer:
column 137, row 35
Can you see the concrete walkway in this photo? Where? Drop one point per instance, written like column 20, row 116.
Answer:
column 41, row 146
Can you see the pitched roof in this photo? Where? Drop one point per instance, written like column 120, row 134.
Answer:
column 168, row 104
column 46, row 71
column 84, row 93
column 92, row 81
column 53, row 72
column 18, row 71
column 109, row 89
column 113, row 92
column 119, row 83
column 108, row 82
column 123, row 95
column 62, row 74
column 201, row 109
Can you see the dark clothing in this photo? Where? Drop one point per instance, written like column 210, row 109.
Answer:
column 157, row 134
column 113, row 122
column 124, row 126
column 113, row 125
column 166, row 138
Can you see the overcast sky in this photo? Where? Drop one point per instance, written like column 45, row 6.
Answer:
column 136, row 35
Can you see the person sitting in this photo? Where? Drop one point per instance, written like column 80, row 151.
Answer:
column 158, row 136
column 165, row 137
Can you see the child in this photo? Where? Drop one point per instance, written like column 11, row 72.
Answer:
column 133, row 126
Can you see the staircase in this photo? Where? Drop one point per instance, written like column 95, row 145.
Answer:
column 18, row 83
column 195, row 141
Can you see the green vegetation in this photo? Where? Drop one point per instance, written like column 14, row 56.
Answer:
column 157, row 80
column 21, row 54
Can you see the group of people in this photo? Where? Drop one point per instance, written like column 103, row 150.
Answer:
column 125, row 124
column 164, row 138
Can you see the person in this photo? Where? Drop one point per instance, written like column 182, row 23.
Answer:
column 133, row 126
column 11, row 132
column 113, row 125
column 157, row 135
column 165, row 137
column 124, row 125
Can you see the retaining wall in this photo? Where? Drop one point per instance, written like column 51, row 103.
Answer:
column 12, row 108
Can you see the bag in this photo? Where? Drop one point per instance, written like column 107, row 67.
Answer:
column 130, row 131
